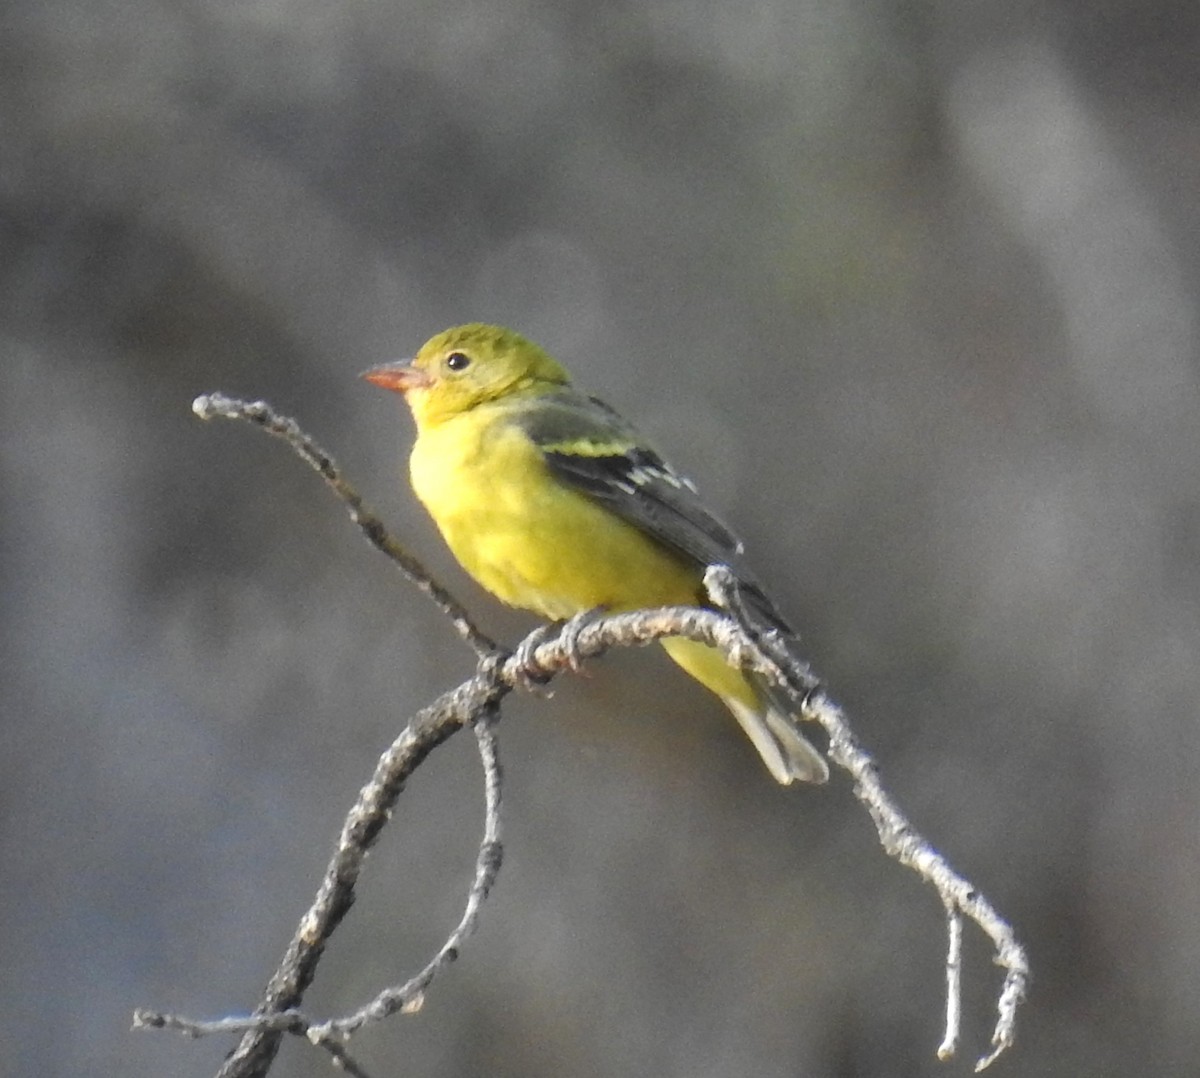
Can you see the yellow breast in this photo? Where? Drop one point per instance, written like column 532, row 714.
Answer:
column 527, row 538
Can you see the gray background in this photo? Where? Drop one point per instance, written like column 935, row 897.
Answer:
column 909, row 288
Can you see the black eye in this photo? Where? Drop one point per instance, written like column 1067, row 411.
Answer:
column 456, row 361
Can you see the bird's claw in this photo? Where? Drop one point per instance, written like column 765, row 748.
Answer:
column 528, row 673
column 569, row 633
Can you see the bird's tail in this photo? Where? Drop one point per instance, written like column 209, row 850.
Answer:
column 788, row 754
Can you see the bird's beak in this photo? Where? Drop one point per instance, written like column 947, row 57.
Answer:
column 399, row 377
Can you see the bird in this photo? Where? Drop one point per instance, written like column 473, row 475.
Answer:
column 555, row 504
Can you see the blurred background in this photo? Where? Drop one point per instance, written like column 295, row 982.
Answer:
column 909, row 288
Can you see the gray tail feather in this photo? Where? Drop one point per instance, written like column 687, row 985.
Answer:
column 788, row 754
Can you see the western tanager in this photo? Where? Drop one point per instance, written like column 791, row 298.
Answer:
column 555, row 504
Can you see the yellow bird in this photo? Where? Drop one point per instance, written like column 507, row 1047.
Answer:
column 555, row 504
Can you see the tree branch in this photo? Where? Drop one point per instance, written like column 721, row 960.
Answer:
column 261, row 414
column 897, row 836
column 542, row 656
column 476, row 701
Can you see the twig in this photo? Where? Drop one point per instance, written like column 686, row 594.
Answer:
column 954, row 934
column 776, row 658
column 898, row 837
column 260, row 413
column 342, row 1059
column 410, row 996
column 276, row 1013
column 902, row 842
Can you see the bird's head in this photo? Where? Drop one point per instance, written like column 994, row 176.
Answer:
column 467, row 366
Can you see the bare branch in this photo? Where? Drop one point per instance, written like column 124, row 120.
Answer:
column 772, row 654
column 949, row 1045
column 901, row 841
column 276, row 1013
column 342, row 1059
column 476, row 702
column 260, row 413
column 409, row 996
column 549, row 656
column 543, row 655
column 897, row 836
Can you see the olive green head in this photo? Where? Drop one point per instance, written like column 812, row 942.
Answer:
column 466, row 366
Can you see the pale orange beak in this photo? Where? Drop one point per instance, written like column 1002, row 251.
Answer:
column 399, row 377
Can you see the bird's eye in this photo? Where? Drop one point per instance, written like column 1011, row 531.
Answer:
column 456, row 361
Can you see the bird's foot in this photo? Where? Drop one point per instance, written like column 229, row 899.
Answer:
column 528, row 673
column 568, row 634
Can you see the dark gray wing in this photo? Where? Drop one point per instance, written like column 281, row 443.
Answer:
column 589, row 446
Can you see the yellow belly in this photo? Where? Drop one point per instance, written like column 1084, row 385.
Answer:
column 528, row 539
column 537, row 544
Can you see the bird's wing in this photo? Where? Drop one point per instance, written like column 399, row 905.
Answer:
column 590, row 447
